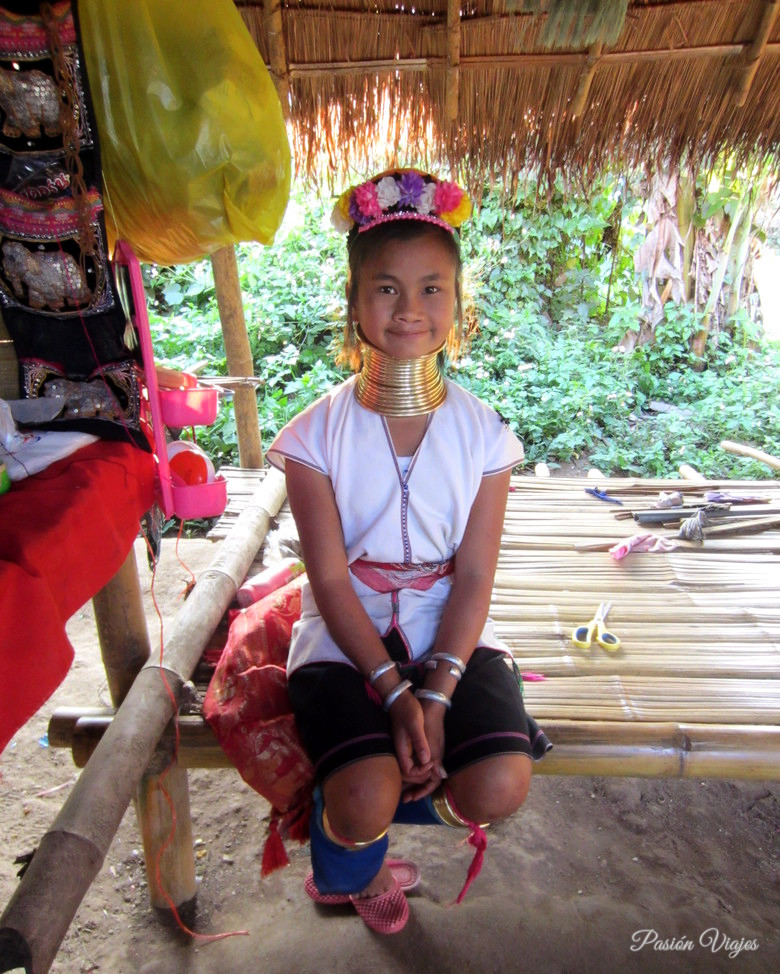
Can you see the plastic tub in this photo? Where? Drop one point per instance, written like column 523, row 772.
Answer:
column 200, row 500
column 188, row 407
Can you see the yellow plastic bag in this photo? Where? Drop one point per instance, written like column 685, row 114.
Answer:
column 193, row 143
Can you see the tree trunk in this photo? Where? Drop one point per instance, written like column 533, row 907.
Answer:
column 699, row 340
column 686, row 207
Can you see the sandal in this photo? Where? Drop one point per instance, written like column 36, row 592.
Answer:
column 405, row 873
column 385, row 913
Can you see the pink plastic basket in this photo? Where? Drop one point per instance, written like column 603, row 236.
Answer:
column 188, row 407
column 200, row 500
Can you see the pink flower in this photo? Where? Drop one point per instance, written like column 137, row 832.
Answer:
column 364, row 205
column 448, row 197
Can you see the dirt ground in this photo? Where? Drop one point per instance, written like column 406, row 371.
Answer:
column 593, row 875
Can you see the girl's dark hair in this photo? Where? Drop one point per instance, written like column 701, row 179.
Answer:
column 361, row 245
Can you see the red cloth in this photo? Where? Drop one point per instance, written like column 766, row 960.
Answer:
column 64, row 533
column 247, row 707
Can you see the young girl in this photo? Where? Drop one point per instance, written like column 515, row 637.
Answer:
column 397, row 480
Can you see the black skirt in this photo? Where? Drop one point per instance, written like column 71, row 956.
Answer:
column 341, row 720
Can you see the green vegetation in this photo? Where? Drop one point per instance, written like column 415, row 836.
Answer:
column 553, row 291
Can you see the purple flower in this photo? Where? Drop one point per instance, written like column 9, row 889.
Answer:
column 412, row 185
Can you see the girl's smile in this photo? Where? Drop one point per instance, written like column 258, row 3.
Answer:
column 406, row 296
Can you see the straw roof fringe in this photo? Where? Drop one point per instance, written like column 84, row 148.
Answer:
column 479, row 86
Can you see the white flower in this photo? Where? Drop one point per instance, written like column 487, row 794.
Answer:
column 341, row 222
column 426, row 198
column 387, row 192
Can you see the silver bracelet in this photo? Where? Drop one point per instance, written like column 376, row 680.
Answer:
column 383, row 668
column 434, row 695
column 395, row 693
column 457, row 666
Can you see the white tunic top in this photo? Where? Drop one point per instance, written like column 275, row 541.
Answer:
column 389, row 516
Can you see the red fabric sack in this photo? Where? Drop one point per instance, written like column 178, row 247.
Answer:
column 248, row 709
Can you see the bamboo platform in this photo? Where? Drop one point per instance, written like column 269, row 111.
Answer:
column 695, row 687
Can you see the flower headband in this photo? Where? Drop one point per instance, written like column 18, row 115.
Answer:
column 404, row 194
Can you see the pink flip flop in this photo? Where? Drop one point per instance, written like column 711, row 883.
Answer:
column 385, row 913
column 405, row 873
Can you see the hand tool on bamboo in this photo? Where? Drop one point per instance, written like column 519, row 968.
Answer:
column 602, row 495
column 582, row 637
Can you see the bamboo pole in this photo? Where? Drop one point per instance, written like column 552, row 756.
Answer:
column 72, row 851
column 321, row 69
column 239, row 354
column 453, row 64
column 690, row 473
column 685, row 750
column 749, row 451
column 756, row 50
column 587, row 747
column 586, row 79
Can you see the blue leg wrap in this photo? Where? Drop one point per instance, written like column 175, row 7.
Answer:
column 419, row 812
column 340, row 870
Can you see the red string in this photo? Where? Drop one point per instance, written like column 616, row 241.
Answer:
column 477, row 839
column 188, row 587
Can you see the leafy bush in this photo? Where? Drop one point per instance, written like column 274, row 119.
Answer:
column 552, row 296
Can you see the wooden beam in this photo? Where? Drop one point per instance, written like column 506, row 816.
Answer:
column 755, row 52
column 239, row 354
column 277, row 49
column 453, row 63
column 487, row 61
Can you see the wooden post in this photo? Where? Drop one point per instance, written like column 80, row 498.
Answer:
column 124, row 646
column 277, row 50
column 121, row 627
column 70, row 854
column 239, row 354
column 168, row 848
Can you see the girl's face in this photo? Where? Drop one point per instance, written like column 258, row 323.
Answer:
column 407, row 296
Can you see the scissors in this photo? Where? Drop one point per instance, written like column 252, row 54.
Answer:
column 582, row 636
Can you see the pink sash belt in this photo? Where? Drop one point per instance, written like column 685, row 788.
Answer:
column 391, row 576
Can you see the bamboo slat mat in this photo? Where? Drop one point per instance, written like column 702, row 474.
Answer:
column 699, row 626
column 241, row 484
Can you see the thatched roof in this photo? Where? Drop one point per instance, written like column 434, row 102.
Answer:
column 512, row 85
